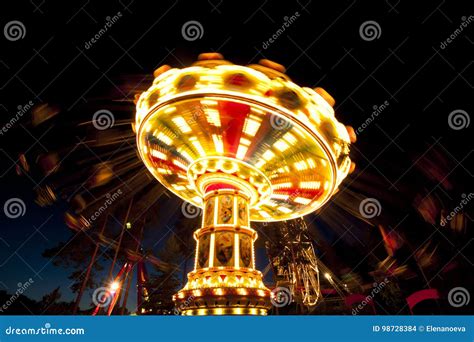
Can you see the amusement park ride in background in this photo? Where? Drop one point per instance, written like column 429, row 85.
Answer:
column 296, row 269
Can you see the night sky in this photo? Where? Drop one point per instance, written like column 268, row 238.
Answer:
column 408, row 67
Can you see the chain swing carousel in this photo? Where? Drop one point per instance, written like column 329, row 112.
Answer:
column 244, row 143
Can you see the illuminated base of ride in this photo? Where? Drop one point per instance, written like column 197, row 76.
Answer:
column 224, row 281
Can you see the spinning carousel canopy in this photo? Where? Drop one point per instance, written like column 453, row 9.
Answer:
column 248, row 127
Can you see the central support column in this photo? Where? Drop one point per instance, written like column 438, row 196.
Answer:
column 224, row 280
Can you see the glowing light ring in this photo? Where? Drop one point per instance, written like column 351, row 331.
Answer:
column 275, row 111
column 253, row 190
column 240, row 229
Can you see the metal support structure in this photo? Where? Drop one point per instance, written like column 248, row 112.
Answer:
column 120, row 239
column 295, row 264
column 129, row 283
column 89, row 269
